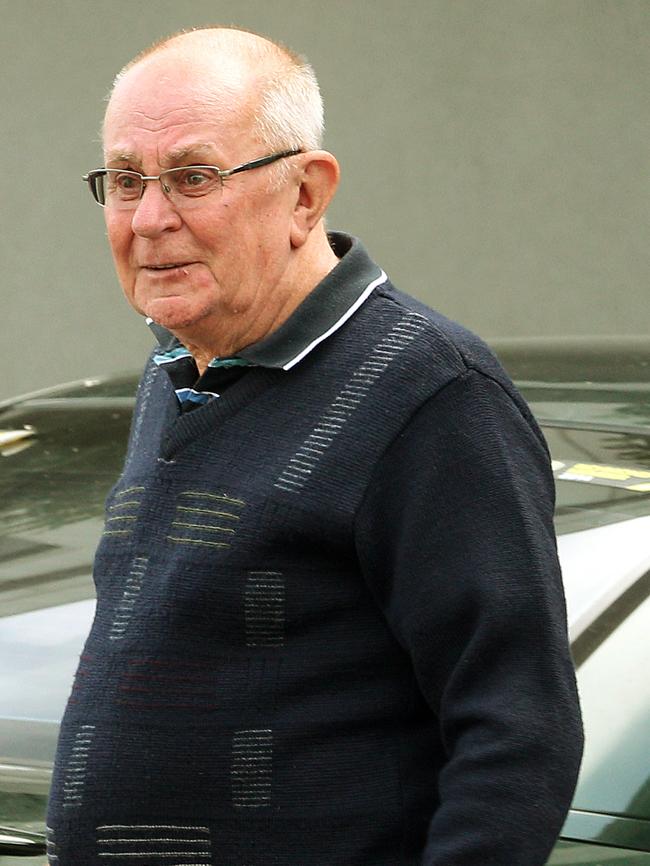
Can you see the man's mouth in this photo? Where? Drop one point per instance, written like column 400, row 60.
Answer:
column 166, row 267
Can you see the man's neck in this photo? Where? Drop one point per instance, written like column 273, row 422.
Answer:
column 306, row 273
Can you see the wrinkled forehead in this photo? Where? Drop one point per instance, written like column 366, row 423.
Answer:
column 167, row 91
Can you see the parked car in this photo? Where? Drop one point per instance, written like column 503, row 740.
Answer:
column 61, row 449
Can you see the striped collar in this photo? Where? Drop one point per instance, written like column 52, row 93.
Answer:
column 327, row 308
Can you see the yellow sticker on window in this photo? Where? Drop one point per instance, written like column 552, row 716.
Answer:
column 601, row 473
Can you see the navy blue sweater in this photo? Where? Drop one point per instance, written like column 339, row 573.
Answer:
column 330, row 626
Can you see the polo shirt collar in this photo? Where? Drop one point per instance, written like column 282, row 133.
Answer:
column 325, row 309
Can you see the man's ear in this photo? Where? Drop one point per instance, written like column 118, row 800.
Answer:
column 318, row 180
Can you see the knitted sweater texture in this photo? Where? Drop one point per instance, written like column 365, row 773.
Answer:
column 330, row 625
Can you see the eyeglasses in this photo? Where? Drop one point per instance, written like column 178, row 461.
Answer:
column 185, row 186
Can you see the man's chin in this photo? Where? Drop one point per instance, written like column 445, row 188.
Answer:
column 173, row 313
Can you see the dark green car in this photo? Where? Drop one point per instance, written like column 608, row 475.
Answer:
column 62, row 449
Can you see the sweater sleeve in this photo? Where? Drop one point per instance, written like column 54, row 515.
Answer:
column 455, row 539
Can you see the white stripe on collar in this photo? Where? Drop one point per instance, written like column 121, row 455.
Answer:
column 346, row 315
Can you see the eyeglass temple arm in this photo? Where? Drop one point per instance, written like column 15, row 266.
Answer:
column 257, row 163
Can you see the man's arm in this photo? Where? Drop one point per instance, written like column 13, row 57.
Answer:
column 455, row 537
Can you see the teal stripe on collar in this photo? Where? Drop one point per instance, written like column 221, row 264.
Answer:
column 171, row 355
column 230, row 362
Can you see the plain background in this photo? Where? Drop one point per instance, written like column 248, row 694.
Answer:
column 494, row 157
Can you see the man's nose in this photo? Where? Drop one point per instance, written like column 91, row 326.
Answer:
column 155, row 213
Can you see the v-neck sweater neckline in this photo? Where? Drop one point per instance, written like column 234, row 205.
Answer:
column 185, row 427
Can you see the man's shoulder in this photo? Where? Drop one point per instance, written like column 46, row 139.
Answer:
column 445, row 353
column 452, row 348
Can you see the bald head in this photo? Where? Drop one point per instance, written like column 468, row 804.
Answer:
column 236, row 70
column 220, row 266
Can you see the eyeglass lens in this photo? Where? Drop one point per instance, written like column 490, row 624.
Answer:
column 123, row 189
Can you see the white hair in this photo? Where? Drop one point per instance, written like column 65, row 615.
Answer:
column 288, row 111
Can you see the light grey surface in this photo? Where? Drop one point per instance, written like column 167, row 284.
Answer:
column 494, row 156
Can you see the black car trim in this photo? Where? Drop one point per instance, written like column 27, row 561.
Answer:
column 609, row 620
column 21, row 843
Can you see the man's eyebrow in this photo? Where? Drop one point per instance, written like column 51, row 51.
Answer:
column 180, row 154
column 174, row 157
column 121, row 156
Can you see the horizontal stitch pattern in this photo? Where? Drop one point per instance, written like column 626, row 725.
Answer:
column 266, row 611
column 254, row 733
column 153, row 827
column 126, row 605
column 135, row 489
column 257, row 755
column 208, row 511
column 303, row 470
column 311, row 449
column 355, row 390
column 398, row 339
column 302, row 461
column 205, row 526
column 291, row 472
column 177, row 540
column 253, row 748
column 154, row 840
column 220, row 497
column 74, row 779
column 266, row 594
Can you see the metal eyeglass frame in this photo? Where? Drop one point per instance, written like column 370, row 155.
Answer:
column 93, row 176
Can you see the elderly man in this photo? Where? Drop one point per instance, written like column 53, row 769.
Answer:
column 330, row 625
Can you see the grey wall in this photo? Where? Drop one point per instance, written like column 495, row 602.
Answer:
column 494, row 156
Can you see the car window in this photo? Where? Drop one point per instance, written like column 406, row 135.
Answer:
column 53, row 485
column 613, row 659
column 584, row 505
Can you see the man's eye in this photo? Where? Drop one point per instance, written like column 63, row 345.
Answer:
column 123, row 183
column 195, row 178
column 191, row 181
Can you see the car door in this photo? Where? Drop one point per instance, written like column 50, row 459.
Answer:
column 610, row 819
